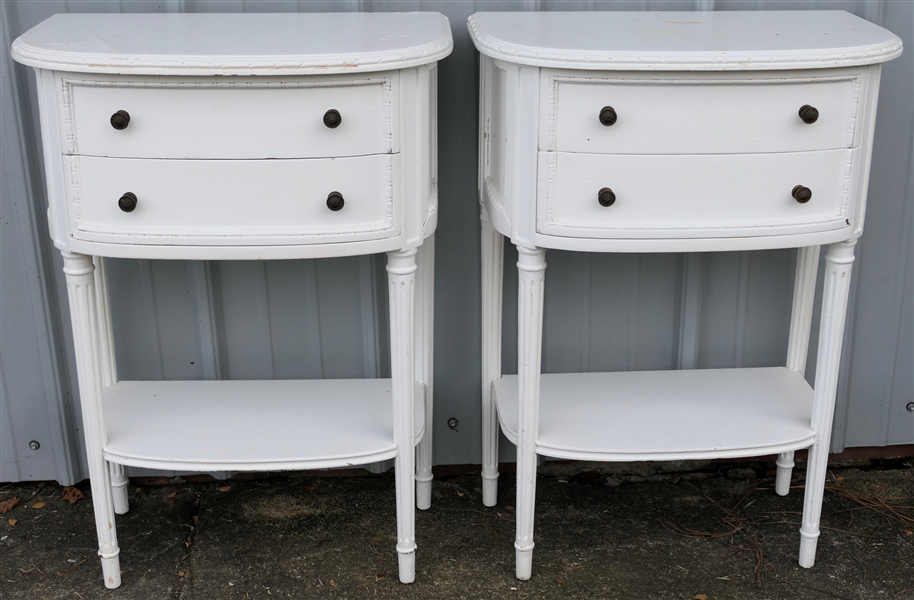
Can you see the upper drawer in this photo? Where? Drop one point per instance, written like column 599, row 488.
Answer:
column 696, row 116
column 242, row 118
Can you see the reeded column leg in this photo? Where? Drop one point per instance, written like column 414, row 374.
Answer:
column 838, row 262
column 531, row 267
column 86, row 333
column 109, row 372
column 804, row 294
column 492, row 259
column 425, row 340
column 401, row 279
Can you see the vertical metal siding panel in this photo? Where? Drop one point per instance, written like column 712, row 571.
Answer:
column 457, row 309
column 133, row 318
column 295, row 324
column 865, row 399
column 245, row 323
column 614, row 283
column 900, row 425
column 341, row 319
column 658, row 312
column 719, row 310
column 34, row 403
column 568, row 277
column 768, row 304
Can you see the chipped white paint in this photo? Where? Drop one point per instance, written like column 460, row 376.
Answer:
column 725, row 185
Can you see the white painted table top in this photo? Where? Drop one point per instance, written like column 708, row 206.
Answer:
column 235, row 44
column 694, row 41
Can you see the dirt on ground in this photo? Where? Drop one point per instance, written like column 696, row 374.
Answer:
column 719, row 532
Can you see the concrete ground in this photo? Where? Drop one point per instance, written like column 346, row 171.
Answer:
column 719, row 532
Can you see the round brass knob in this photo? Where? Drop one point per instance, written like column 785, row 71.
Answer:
column 606, row 197
column 332, row 118
column 809, row 114
column 608, row 116
column 120, row 120
column 127, row 202
column 335, row 201
column 801, row 194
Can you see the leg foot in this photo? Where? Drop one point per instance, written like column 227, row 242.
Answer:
column 785, row 471
column 407, row 564
column 523, row 563
column 111, row 570
column 490, row 489
column 423, row 494
column 808, row 542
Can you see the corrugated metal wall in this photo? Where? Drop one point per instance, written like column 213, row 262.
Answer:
column 327, row 318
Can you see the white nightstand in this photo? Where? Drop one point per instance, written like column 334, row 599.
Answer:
column 237, row 137
column 671, row 132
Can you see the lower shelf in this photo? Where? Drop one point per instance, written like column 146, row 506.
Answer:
column 252, row 425
column 666, row 415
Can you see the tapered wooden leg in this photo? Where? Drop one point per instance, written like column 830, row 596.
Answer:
column 492, row 259
column 79, row 271
column 838, row 262
column 109, row 372
column 425, row 340
column 804, row 294
column 401, row 278
column 531, row 267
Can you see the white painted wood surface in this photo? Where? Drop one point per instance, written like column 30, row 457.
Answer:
column 252, row 425
column 202, row 188
column 683, row 41
column 238, row 117
column 699, row 196
column 229, row 202
column 235, row 44
column 713, row 114
column 673, row 190
column 665, row 415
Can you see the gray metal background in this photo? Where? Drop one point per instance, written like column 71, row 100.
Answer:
column 327, row 318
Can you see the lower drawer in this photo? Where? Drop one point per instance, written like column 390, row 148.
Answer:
column 233, row 202
column 691, row 195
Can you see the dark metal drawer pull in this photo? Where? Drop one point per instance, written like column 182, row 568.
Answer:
column 606, row 197
column 120, row 120
column 608, row 116
column 809, row 114
column 335, row 201
column 332, row 118
column 127, row 203
column 801, row 194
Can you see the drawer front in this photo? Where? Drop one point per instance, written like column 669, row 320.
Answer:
column 218, row 119
column 690, row 195
column 698, row 116
column 221, row 202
